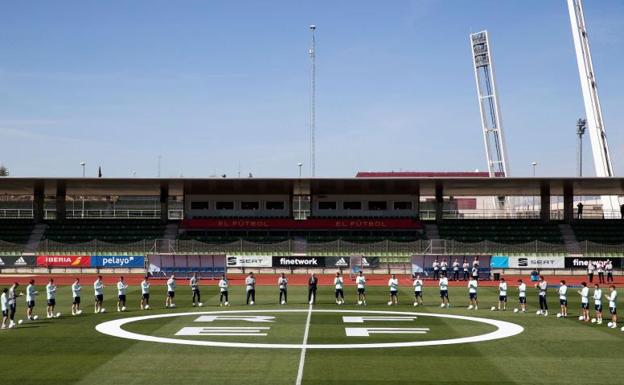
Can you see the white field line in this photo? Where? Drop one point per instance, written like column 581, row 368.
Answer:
column 303, row 348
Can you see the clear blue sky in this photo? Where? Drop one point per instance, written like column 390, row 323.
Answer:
column 209, row 84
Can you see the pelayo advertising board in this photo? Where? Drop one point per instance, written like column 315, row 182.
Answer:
column 118, row 261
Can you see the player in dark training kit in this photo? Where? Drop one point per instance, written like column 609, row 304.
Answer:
column 312, row 284
column 194, row 283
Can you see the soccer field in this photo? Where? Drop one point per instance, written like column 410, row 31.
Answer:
column 69, row 350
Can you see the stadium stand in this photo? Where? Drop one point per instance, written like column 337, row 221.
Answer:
column 500, row 231
column 113, row 231
column 609, row 232
column 15, row 230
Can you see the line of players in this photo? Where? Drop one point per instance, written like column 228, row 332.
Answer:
column 542, row 290
column 9, row 296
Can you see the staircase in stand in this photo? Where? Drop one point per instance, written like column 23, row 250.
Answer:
column 35, row 237
column 569, row 239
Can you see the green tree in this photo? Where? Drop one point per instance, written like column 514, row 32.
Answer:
column 4, row 171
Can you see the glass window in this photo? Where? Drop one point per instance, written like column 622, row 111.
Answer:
column 275, row 205
column 352, row 205
column 225, row 205
column 196, row 205
column 327, row 205
column 402, row 205
column 377, row 205
column 250, row 205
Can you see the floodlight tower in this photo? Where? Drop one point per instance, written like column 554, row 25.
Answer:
column 312, row 53
column 491, row 121
column 595, row 123
column 492, row 125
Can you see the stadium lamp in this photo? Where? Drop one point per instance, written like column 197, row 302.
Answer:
column 83, row 164
column 299, row 164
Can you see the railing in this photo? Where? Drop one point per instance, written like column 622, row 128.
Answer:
column 337, row 247
column 16, row 213
column 175, row 215
column 112, row 214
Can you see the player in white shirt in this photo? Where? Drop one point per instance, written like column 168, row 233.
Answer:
column 122, row 288
column 194, row 284
column 435, row 266
column 4, row 304
column 475, row 272
column 473, row 284
column 145, row 293
column 51, row 298
column 598, row 303
column 444, row 268
column 98, row 289
column 522, row 295
column 171, row 287
column 600, row 269
column 418, row 291
column 393, row 284
column 563, row 298
column 13, row 294
column 75, row 288
column 502, row 295
column 609, row 270
column 443, row 284
column 250, row 287
column 360, row 282
column 542, row 287
column 31, row 293
column 584, row 293
column 466, row 269
column 590, row 271
column 612, row 298
column 339, row 284
column 455, row 270
column 223, row 290
column 282, row 284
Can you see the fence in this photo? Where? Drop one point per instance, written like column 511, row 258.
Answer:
column 294, row 247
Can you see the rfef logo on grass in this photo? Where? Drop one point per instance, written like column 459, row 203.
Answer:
column 117, row 261
column 330, row 329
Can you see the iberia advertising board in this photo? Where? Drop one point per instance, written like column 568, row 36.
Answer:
column 64, row 260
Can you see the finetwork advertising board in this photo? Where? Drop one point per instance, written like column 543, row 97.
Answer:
column 305, row 261
column 583, row 262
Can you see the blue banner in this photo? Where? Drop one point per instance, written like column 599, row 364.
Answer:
column 117, row 261
column 499, row 262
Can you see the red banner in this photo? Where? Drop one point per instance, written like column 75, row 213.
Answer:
column 64, row 260
column 308, row 224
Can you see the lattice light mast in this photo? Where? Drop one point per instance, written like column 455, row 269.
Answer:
column 595, row 123
column 492, row 125
column 312, row 53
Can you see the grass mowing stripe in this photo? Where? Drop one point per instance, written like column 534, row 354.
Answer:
column 103, row 370
column 303, row 349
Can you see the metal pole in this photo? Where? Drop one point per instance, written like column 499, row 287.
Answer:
column 581, row 126
column 312, row 53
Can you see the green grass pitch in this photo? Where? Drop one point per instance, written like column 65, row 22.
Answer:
column 69, row 350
